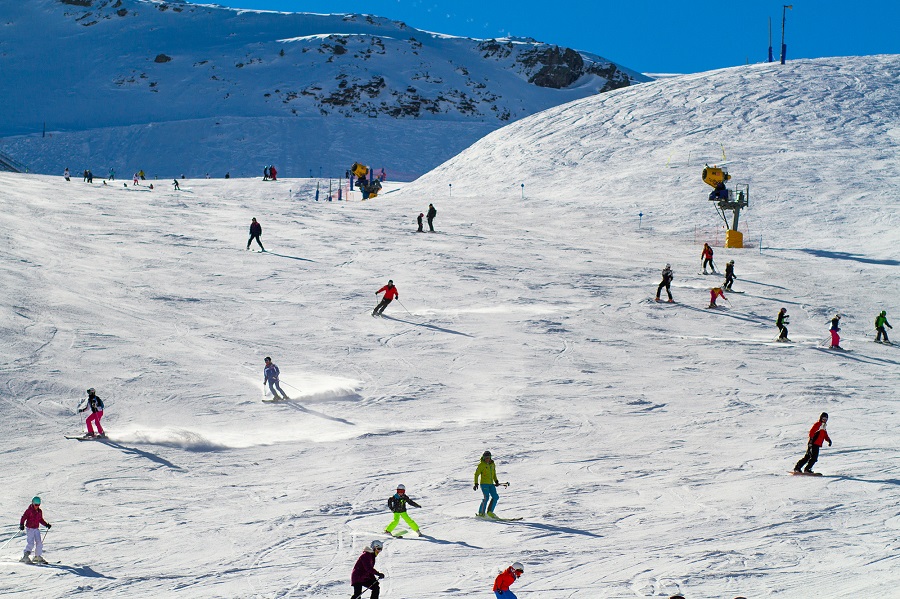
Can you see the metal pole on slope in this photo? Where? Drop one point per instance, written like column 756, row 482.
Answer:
column 523, row 191
column 451, row 190
column 771, row 58
column 784, row 10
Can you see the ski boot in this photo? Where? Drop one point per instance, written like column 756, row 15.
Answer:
column 491, row 515
column 671, row 301
column 37, row 559
column 285, row 397
column 25, row 559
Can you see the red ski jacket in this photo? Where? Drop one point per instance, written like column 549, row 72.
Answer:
column 504, row 579
column 389, row 292
column 33, row 517
column 817, row 435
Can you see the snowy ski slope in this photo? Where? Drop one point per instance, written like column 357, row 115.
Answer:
column 647, row 445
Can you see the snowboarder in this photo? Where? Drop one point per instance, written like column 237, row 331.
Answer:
column 66, row 174
column 881, row 322
column 30, row 522
column 506, row 578
column 419, row 220
column 817, row 434
column 667, row 276
column 707, row 257
column 390, row 292
column 255, row 232
column 781, row 322
column 432, row 212
column 487, row 471
column 713, row 294
column 835, row 338
column 271, row 374
column 96, row 406
column 364, row 576
column 397, row 503
column 175, row 183
column 729, row 275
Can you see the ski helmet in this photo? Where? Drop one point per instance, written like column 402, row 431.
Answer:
column 486, row 454
column 518, row 567
column 783, row 310
column 838, row 315
column 374, row 546
column 823, row 416
column 268, row 359
column 390, row 281
column 36, row 500
column 401, row 487
column 731, row 262
column 91, row 391
column 668, row 265
column 884, row 313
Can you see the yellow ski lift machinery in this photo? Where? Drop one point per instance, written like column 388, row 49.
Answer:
column 727, row 199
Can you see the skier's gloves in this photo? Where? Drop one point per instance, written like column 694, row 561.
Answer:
column 48, row 526
column 829, row 444
column 21, row 527
column 475, row 487
column 82, row 410
column 380, row 575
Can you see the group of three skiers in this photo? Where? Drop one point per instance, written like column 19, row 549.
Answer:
column 365, row 577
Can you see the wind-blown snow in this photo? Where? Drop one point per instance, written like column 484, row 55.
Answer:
column 647, row 445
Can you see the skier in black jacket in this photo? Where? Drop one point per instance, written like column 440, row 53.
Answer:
column 781, row 322
column 432, row 212
column 255, row 232
column 667, row 276
column 729, row 275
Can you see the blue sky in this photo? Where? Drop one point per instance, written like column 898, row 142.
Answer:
column 657, row 36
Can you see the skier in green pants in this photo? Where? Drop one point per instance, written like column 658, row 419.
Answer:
column 397, row 502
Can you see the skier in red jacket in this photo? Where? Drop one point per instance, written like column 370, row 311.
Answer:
column 506, row 578
column 30, row 522
column 390, row 292
column 817, row 435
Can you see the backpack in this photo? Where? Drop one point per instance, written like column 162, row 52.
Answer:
column 394, row 503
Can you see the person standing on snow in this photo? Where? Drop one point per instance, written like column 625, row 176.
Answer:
column 175, row 183
column 729, row 275
column 66, row 174
column 707, row 258
column 835, row 338
column 432, row 212
column 781, row 322
column 112, row 174
column 273, row 174
column 487, row 473
column 419, row 220
column 713, row 294
column 397, row 502
column 364, row 576
column 96, row 406
column 390, row 292
column 817, row 434
column 881, row 322
column 255, row 232
column 271, row 374
column 667, row 276
column 30, row 522
column 506, row 578
column 134, row 180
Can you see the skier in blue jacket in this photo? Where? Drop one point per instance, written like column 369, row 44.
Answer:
column 271, row 373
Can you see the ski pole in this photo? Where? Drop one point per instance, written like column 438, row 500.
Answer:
column 10, row 540
column 46, row 532
column 404, row 307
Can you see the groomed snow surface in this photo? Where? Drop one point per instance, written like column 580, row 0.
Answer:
column 647, row 446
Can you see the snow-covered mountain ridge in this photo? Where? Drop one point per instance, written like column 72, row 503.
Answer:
column 132, row 63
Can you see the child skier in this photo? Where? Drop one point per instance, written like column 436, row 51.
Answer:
column 487, row 470
column 707, row 257
column 30, row 522
column 390, row 292
column 96, row 406
column 667, row 276
column 397, row 502
column 271, row 374
column 817, row 434
column 729, row 275
column 713, row 294
column 364, row 576
column 835, row 338
column 880, row 323
column 781, row 322
column 419, row 220
column 506, row 578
